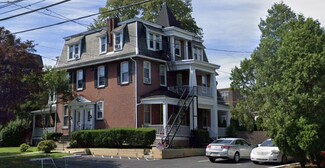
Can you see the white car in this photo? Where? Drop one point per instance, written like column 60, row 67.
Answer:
column 268, row 152
column 228, row 148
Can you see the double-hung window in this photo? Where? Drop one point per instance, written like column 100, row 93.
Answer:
column 118, row 41
column 80, row 80
column 100, row 110
column 197, row 53
column 162, row 75
column 65, row 117
column 101, row 79
column 204, row 84
column 146, row 72
column 154, row 41
column 124, row 72
column 177, row 48
column 103, row 45
column 74, row 52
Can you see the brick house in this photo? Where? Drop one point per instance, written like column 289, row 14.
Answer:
column 134, row 74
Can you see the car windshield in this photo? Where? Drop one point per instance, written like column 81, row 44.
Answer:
column 268, row 143
column 222, row 141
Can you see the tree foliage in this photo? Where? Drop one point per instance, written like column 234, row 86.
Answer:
column 182, row 10
column 284, row 82
column 17, row 63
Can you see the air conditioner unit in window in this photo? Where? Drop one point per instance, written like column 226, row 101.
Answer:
column 118, row 46
column 76, row 56
column 147, row 80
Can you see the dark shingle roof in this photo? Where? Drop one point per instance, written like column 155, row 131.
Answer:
column 166, row 18
column 161, row 92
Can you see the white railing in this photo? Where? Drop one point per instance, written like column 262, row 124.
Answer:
column 199, row 90
column 222, row 132
column 204, row 91
column 41, row 131
column 183, row 131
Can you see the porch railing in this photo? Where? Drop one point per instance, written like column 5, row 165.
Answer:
column 41, row 131
column 200, row 90
column 183, row 131
column 222, row 132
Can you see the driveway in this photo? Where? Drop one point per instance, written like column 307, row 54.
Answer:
column 124, row 162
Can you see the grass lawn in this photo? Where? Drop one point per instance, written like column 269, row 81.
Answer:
column 22, row 161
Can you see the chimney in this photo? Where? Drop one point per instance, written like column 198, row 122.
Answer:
column 111, row 25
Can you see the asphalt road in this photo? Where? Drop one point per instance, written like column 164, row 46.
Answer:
column 188, row 162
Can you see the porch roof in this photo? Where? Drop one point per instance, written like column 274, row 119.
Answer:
column 80, row 100
column 161, row 92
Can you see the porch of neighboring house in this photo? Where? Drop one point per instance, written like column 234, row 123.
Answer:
column 44, row 121
column 223, row 120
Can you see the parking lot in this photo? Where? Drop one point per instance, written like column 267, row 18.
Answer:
column 126, row 162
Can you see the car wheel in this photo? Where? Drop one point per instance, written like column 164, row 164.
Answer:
column 284, row 159
column 212, row 160
column 236, row 157
column 255, row 162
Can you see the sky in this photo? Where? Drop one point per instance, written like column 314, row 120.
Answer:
column 230, row 27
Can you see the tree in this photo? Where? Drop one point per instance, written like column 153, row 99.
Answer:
column 17, row 62
column 182, row 10
column 284, row 82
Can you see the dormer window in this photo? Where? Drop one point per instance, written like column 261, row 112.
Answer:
column 154, row 41
column 118, row 41
column 74, row 52
column 178, row 48
column 103, row 44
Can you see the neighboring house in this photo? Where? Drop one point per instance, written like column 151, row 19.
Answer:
column 135, row 74
column 230, row 96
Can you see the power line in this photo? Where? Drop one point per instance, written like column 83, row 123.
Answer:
column 232, row 51
column 65, row 18
column 83, row 17
column 10, row 3
column 22, row 7
column 34, row 10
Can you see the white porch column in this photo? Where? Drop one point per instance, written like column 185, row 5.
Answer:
column 214, row 110
column 186, row 49
column 82, row 119
column 172, row 48
column 193, row 110
column 165, row 117
column 93, row 117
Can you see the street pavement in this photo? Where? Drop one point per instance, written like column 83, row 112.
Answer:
column 127, row 162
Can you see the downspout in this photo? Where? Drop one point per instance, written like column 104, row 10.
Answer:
column 135, row 92
column 136, row 76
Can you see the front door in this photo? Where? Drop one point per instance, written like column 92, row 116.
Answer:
column 77, row 120
column 88, row 119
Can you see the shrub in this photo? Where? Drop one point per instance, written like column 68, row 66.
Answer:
column 15, row 132
column 24, row 147
column 46, row 146
column 120, row 137
column 200, row 138
column 55, row 136
column 231, row 131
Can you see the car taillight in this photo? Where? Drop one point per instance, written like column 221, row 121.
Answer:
column 209, row 146
column 225, row 147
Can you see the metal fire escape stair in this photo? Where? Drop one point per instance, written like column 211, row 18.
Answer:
column 175, row 120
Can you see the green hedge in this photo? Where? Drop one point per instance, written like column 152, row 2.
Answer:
column 55, row 136
column 15, row 132
column 113, row 138
column 200, row 138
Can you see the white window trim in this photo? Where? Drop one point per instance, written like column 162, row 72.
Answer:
column 65, row 107
column 102, row 102
column 165, row 75
column 98, row 76
column 121, row 72
column 180, row 48
column 73, row 52
column 147, row 80
column 144, row 116
column 100, row 45
column 121, row 41
column 77, row 79
column 155, row 48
